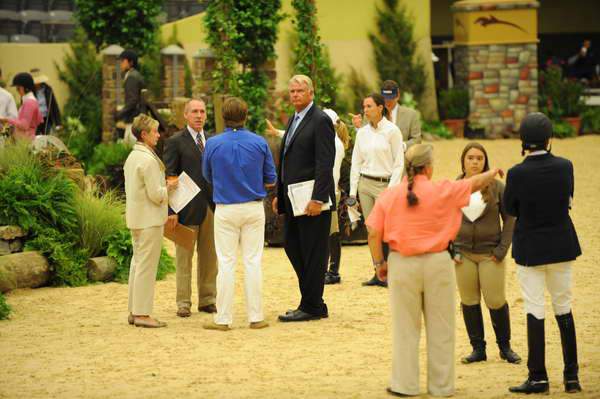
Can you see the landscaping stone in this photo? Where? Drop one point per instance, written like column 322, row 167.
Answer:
column 23, row 270
column 101, row 268
column 11, row 232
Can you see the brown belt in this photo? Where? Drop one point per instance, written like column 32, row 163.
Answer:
column 379, row 179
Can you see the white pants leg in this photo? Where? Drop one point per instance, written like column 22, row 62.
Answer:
column 227, row 238
column 558, row 280
column 252, row 241
column 147, row 244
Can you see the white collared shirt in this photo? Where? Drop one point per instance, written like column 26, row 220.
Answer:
column 195, row 134
column 538, row 152
column 8, row 107
column 378, row 152
column 394, row 114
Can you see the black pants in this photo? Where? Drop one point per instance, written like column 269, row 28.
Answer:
column 307, row 247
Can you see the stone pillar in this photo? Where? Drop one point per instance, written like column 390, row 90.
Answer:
column 496, row 60
column 112, row 91
column 173, row 83
column 202, row 70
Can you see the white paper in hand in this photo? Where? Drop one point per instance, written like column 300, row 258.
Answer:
column 300, row 195
column 475, row 208
column 186, row 190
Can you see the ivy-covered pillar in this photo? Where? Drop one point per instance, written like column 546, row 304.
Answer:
column 112, row 92
column 496, row 60
column 173, row 82
column 202, row 73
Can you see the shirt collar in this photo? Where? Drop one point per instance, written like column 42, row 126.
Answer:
column 29, row 95
column 195, row 133
column 538, row 152
column 380, row 124
column 302, row 113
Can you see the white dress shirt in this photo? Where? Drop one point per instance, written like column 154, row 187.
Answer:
column 337, row 163
column 378, row 152
column 195, row 134
column 8, row 107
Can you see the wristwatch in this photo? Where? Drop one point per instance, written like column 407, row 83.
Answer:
column 377, row 264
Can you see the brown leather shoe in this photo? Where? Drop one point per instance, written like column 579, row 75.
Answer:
column 130, row 319
column 208, row 308
column 184, row 312
column 214, row 326
column 148, row 322
column 256, row 325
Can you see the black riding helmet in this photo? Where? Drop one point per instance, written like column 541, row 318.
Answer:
column 535, row 132
column 24, row 80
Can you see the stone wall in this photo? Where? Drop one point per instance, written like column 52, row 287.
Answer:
column 112, row 92
column 502, row 80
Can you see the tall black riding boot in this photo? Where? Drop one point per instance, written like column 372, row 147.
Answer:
column 501, row 322
column 335, row 250
column 537, row 382
column 568, row 341
column 474, row 323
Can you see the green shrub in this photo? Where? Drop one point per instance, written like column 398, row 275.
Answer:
column 120, row 248
column 591, row 120
column 107, row 156
column 99, row 217
column 78, row 140
column 18, row 155
column 562, row 129
column 4, row 308
column 454, row 103
column 436, row 128
column 560, row 97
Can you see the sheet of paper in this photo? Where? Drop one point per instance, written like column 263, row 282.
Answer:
column 186, row 191
column 353, row 214
column 300, row 194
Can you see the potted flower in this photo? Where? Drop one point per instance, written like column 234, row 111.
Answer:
column 562, row 98
column 454, row 106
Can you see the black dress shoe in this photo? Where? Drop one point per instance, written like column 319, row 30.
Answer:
column 208, row 309
column 572, row 386
column 530, row 386
column 478, row 355
column 394, row 393
column 332, row 278
column 298, row 315
column 375, row 282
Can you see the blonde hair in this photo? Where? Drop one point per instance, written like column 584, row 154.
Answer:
column 342, row 132
column 143, row 123
column 302, row 79
column 417, row 158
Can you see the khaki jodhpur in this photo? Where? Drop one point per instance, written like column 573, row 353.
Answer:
column 206, row 261
column 422, row 285
column 479, row 274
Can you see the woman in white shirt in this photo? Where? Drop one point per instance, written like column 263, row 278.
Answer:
column 377, row 159
column 146, row 193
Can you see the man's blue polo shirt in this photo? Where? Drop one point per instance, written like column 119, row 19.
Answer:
column 238, row 163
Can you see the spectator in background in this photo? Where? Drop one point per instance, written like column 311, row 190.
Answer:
column 133, row 83
column 584, row 64
column 8, row 107
column 29, row 116
column 47, row 102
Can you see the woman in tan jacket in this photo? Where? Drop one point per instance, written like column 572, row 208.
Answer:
column 480, row 247
column 146, row 192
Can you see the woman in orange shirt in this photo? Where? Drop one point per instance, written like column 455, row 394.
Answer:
column 418, row 219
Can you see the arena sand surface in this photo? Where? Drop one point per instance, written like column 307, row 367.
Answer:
column 75, row 342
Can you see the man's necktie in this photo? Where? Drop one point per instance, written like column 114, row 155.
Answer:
column 199, row 143
column 293, row 128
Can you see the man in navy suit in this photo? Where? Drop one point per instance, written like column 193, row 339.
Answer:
column 538, row 193
column 307, row 153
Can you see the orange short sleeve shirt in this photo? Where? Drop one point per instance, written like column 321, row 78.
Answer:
column 427, row 227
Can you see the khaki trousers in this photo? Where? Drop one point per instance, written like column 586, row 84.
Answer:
column 478, row 274
column 206, row 261
column 368, row 192
column 147, row 244
column 239, row 226
column 418, row 285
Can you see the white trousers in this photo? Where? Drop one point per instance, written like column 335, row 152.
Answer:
column 533, row 280
column 147, row 244
column 422, row 286
column 239, row 226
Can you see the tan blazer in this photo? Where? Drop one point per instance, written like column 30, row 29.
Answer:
column 145, row 189
column 407, row 119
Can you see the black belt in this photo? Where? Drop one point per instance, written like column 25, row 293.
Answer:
column 379, row 179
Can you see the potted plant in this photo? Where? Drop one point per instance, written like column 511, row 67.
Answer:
column 454, row 106
column 562, row 98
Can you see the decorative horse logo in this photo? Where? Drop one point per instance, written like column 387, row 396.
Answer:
column 491, row 20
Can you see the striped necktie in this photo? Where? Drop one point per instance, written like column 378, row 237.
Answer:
column 293, row 128
column 199, row 143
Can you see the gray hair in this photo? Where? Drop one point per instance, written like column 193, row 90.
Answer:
column 302, row 79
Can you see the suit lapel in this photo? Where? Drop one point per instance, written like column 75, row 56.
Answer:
column 299, row 128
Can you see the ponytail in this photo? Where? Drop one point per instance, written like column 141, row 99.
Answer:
column 411, row 172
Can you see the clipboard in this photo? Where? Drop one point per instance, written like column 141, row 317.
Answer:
column 182, row 235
